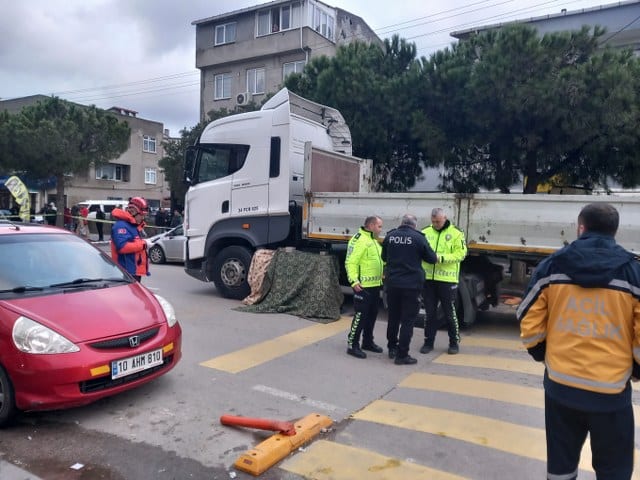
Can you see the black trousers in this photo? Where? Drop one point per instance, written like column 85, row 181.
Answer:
column 445, row 293
column 402, row 311
column 99, row 228
column 365, row 306
column 612, row 441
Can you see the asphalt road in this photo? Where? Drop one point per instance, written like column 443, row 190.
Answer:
column 473, row 415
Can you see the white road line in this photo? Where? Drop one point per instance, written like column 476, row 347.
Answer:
column 297, row 398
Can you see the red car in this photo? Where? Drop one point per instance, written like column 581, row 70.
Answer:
column 74, row 326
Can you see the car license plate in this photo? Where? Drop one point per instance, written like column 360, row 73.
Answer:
column 127, row 366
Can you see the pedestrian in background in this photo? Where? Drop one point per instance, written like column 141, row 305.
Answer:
column 441, row 279
column 161, row 218
column 176, row 219
column 68, row 221
column 50, row 211
column 75, row 213
column 364, row 270
column 100, row 218
column 404, row 249
column 83, row 223
column 581, row 316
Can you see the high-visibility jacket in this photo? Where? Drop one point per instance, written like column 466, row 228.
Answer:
column 581, row 316
column 450, row 247
column 363, row 263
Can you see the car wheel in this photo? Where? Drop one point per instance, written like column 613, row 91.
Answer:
column 156, row 255
column 7, row 399
column 230, row 272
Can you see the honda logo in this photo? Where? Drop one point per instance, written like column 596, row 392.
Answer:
column 134, row 341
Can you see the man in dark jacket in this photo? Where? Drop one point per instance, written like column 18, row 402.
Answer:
column 404, row 249
column 581, row 316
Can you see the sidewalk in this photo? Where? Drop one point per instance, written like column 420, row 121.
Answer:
column 9, row 471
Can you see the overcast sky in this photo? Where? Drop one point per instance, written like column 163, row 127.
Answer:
column 140, row 54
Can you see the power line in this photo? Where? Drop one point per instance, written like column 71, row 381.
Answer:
column 428, row 16
column 119, row 85
column 102, row 92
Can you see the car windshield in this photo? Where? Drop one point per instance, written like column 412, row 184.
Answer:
column 39, row 262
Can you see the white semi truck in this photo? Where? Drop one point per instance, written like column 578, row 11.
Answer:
column 285, row 176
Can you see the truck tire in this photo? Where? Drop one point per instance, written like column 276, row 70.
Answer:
column 230, row 272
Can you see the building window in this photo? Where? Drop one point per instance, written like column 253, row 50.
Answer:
column 292, row 67
column 113, row 172
column 222, row 86
column 150, row 176
column 225, row 33
column 148, row 144
column 323, row 22
column 255, row 80
column 277, row 19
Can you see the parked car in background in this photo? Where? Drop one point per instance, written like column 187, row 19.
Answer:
column 5, row 214
column 105, row 205
column 74, row 326
column 167, row 246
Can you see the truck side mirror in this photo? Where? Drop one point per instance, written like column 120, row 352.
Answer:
column 189, row 165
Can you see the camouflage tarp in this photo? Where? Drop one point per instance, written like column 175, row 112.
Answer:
column 302, row 284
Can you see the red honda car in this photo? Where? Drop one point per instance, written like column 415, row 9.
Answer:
column 74, row 327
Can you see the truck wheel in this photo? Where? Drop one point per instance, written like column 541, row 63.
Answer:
column 230, row 272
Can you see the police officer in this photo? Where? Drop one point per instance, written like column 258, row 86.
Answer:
column 404, row 249
column 441, row 279
column 364, row 270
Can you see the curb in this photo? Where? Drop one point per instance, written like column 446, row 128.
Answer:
column 9, row 471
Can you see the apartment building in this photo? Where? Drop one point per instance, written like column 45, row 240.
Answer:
column 621, row 20
column 134, row 173
column 245, row 54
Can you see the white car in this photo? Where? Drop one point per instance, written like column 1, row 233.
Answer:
column 167, row 246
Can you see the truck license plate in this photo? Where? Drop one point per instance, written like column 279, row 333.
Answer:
column 127, row 366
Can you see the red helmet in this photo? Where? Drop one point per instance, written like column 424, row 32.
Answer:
column 140, row 204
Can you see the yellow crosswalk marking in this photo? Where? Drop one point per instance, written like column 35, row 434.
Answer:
column 505, row 364
column 349, row 463
column 260, row 353
column 501, row 343
column 469, row 387
column 493, row 362
column 497, row 434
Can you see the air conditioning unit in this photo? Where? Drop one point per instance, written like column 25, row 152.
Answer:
column 243, row 98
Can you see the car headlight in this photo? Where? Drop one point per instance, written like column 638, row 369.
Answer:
column 32, row 337
column 168, row 310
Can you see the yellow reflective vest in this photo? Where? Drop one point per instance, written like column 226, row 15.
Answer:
column 450, row 247
column 364, row 264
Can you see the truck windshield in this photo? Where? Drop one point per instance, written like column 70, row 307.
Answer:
column 219, row 160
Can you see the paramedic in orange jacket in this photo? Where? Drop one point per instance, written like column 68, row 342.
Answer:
column 581, row 317
column 127, row 246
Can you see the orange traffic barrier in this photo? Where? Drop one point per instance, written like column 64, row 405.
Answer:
column 278, row 446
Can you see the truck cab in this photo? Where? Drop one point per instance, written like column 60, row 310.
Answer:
column 246, row 187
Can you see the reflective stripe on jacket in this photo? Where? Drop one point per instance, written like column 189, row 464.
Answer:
column 363, row 263
column 582, row 307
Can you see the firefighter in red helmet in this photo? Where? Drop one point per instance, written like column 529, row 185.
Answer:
column 128, row 248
